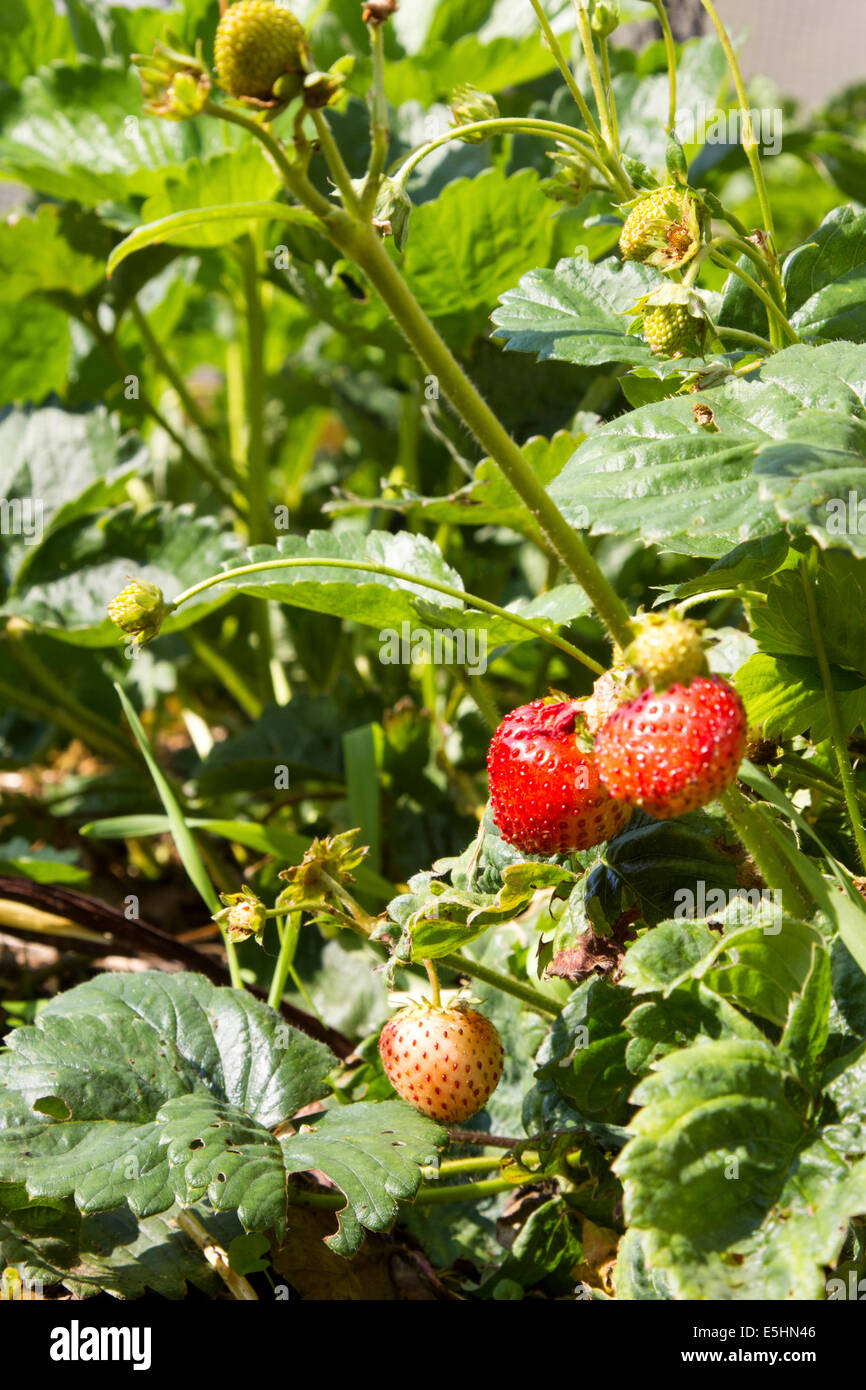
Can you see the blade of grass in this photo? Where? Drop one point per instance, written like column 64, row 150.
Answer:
column 180, row 832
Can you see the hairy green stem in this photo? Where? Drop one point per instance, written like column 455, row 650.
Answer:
column 585, row 32
column 334, row 161
column 740, row 335
column 369, row 253
column 776, row 314
column 184, row 395
column 534, row 998
column 837, row 733
column 604, row 49
column 671, row 57
column 379, row 133
column 507, row 125
column 749, row 143
column 360, row 242
column 432, row 976
column 369, row 567
column 285, row 959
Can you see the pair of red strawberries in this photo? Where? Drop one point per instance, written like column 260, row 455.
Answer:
column 667, row 752
column 672, row 749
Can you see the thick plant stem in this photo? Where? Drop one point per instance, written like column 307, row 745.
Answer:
column 368, row 567
column 237, row 1285
column 369, row 253
column 837, row 733
column 774, row 867
column 749, row 143
column 379, row 133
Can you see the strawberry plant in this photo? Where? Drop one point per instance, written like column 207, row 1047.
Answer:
column 431, row 752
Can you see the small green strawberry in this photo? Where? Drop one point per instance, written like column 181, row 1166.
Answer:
column 667, row 649
column 139, row 610
column 664, row 229
column 260, row 44
column 671, row 331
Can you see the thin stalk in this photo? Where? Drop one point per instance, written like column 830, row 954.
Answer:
column 748, row 141
column 671, row 56
column 837, row 733
column 739, row 335
column 80, row 721
column 368, row 567
column 585, row 31
column 292, row 177
column 260, row 527
column 565, row 68
column 18, row 696
column 507, row 125
column 534, row 998
column 334, row 161
column 604, row 49
column 182, row 391
column 774, row 867
column 379, row 133
column 775, row 313
column 226, row 673
column 435, row 994
column 747, row 248
column 285, row 959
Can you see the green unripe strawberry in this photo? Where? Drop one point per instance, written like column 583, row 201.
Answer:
column 672, row 331
column 139, row 610
column 257, row 44
column 663, row 229
column 667, row 650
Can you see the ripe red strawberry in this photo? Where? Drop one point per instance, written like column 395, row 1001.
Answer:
column 445, row 1062
column 673, row 751
column 545, row 791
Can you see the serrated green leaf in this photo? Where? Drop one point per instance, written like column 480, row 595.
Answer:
column 825, row 279
column 373, row 1152
column 579, row 313
column 109, row 1054
column 783, row 447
